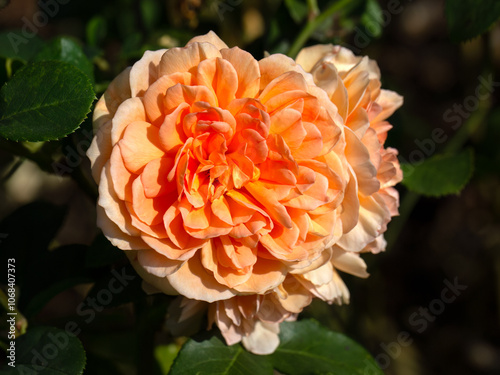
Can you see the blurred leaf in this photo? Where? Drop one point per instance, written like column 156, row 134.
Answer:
column 66, row 50
column 151, row 12
column 306, row 348
column 44, row 101
column 440, row 174
column 470, row 18
column 102, row 253
column 487, row 153
column 298, row 10
column 96, row 31
column 126, row 22
column 132, row 46
column 47, row 351
column 213, row 357
column 16, row 45
column 372, row 18
column 4, row 3
column 165, row 356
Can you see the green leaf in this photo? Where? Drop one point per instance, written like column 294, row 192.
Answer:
column 439, row 175
column 151, row 12
column 213, row 357
column 165, row 356
column 4, row 3
column 298, row 9
column 19, row 46
column 470, row 18
column 66, row 50
column 47, row 351
column 96, row 31
column 372, row 18
column 45, row 100
column 308, row 348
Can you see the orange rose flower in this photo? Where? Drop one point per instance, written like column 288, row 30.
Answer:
column 218, row 174
column 353, row 84
column 370, row 200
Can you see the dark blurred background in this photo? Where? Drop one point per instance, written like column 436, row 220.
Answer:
column 398, row 313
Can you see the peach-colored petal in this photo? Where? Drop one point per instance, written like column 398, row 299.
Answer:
column 219, row 75
column 309, row 56
column 161, row 283
column 176, row 232
column 209, row 37
column 122, row 178
column 247, row 69
column 167, row 248
column 116, row 235
column 180, row 94
column 145, row 72
column 274, row 66
column 389, row 101
column 131, row 110
column 171, row 134
column 350, row 204
column 100, row 148
column 154, row 177
column 356, row 81
column 266, row 275
column 268, row 198
column 157, row 264
column 294, row 295
column 349, row 262
column 373, row 214
column 193, row 281
column 114, row 208
column 117, row 92
column 180, row 60
column 359, row 158
column 140, row 145
column 154, row 98
column 149, row 210
column 263, row 339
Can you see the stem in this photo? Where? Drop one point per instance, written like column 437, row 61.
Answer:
column 21, row 322
column 8, row 68
column 313, row 24
column 46, row 164
column 313, row 8
column 42, row 160
column 15, row 165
